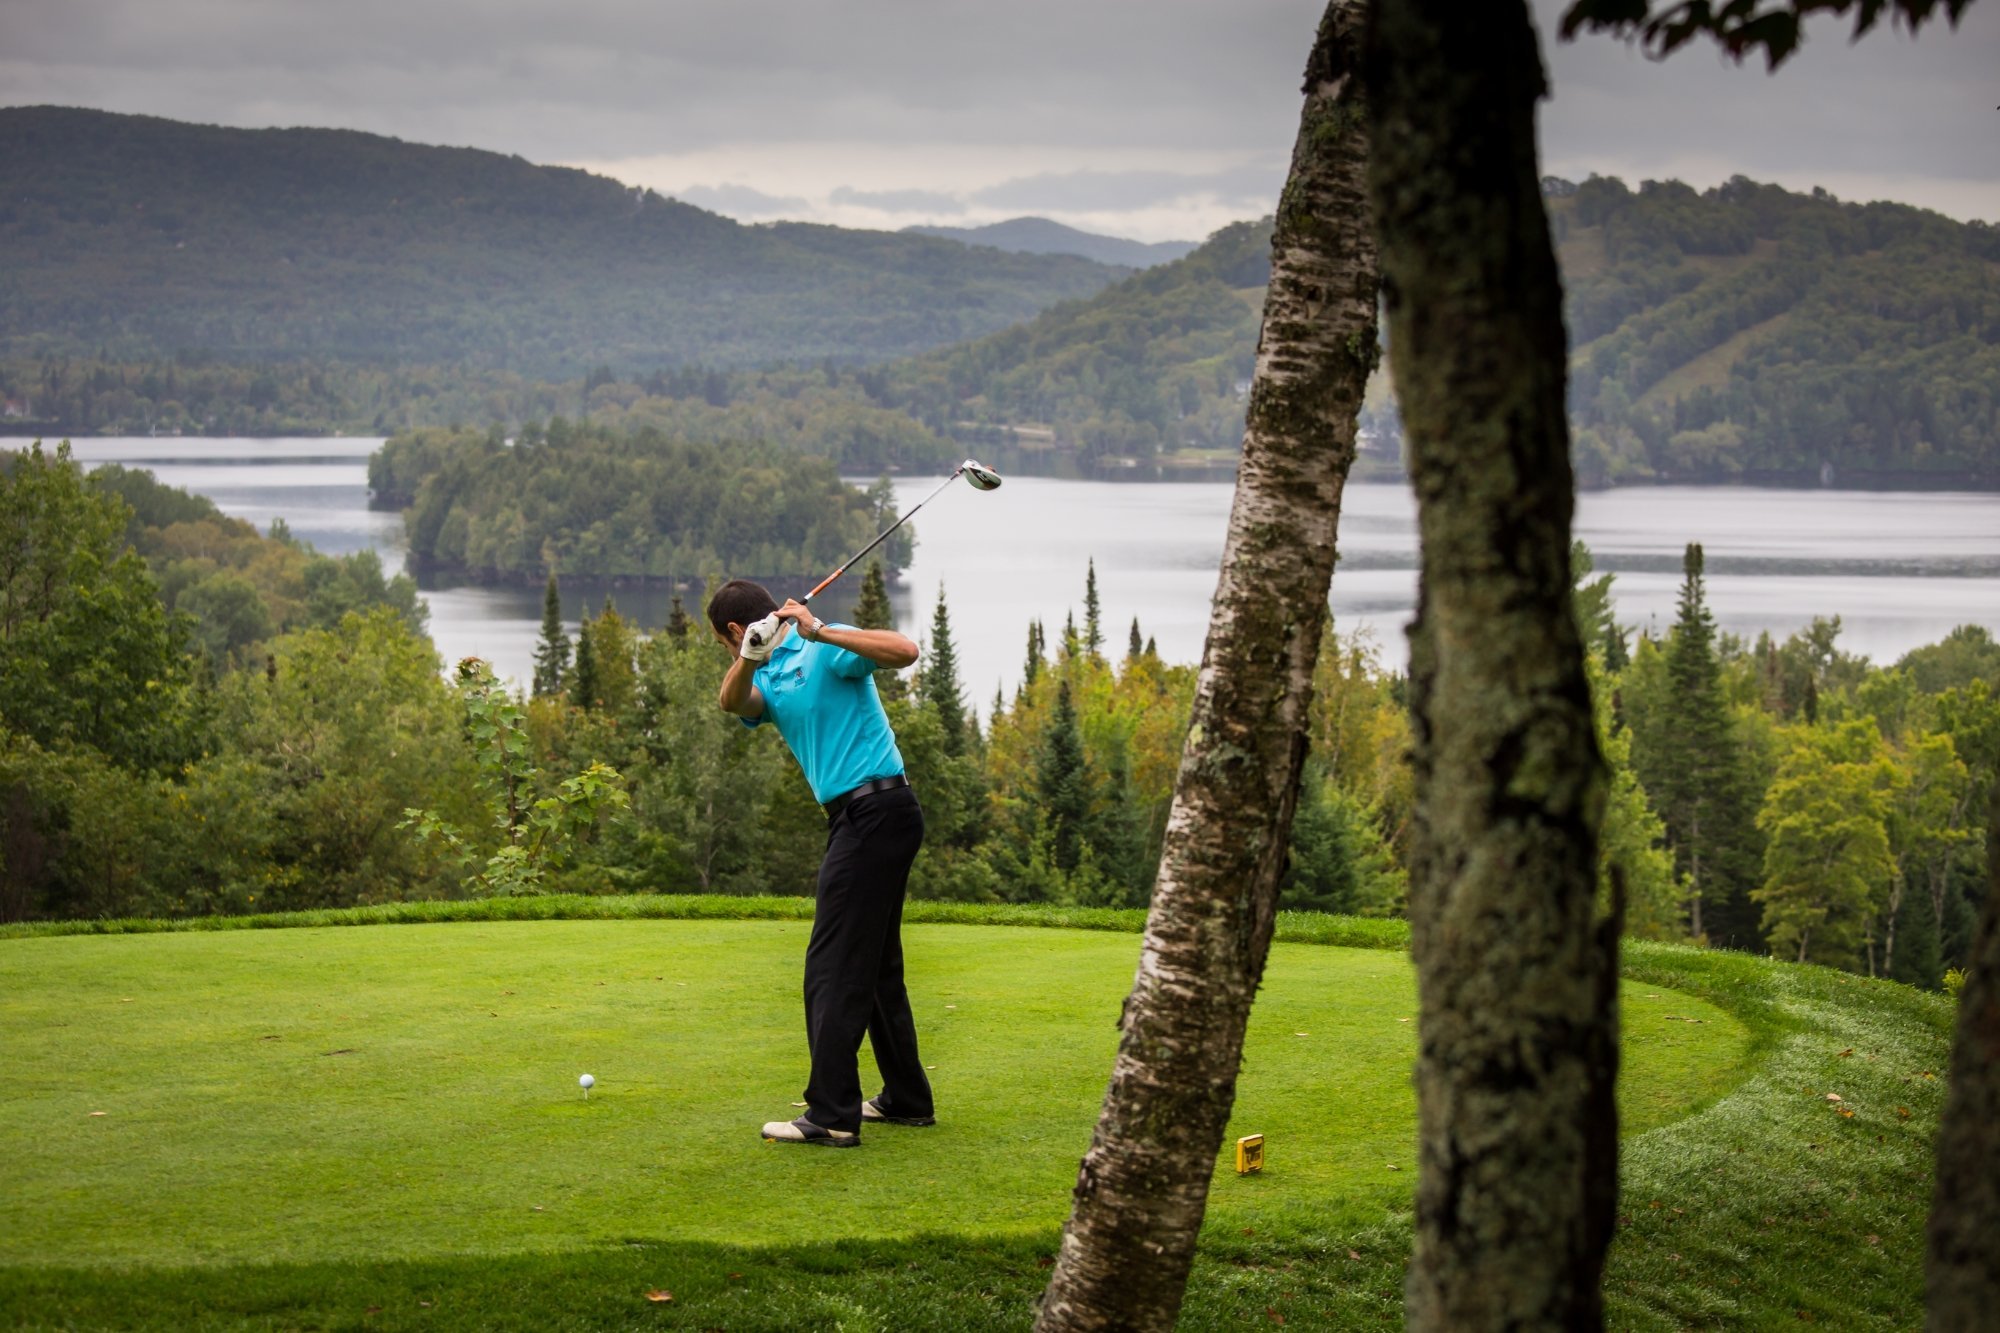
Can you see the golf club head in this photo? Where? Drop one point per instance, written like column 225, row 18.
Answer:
column 983, row 478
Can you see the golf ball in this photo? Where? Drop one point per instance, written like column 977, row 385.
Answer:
column 586, row 1082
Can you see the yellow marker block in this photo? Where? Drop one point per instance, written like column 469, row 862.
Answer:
column 1249, row 1154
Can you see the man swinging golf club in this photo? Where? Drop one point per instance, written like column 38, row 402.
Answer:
column 816, row 683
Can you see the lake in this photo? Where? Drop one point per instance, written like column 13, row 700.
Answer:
column 1900, row 568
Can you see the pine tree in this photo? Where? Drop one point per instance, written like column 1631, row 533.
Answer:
column 1152, row 649
column 1919, row 957
column 613, row 646
column 1616, row 656
column 585, row 685
column 1134, row 646
column 1033, row 668
column 1689, row 761
column 552, row 653
column 939, row 689
column 1063, row 782
column 677, row 621
column 873, row 610
column 1071, row 644
column 1093, row 613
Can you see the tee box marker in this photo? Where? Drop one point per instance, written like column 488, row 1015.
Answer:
column 1249, row 1154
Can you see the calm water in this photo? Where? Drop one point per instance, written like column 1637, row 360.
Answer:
column 1899, row 568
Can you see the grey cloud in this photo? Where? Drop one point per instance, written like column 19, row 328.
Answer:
column 600, row 79
column 741, row 201
column 1888, row 105
column 899, row 201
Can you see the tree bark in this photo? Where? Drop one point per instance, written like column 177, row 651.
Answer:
column 1517, row 1054
column 1962, row 1267
column 1143, row 1185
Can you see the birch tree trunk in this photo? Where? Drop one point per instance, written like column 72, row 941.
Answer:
column 1962, row 1266
column 1517, row 1044
column 1143, row 1185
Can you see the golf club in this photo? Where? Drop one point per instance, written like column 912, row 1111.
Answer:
column 977, row 475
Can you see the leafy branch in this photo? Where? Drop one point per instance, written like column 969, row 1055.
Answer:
column 537, row 835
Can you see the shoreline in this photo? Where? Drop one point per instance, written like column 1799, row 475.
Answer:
column 1168, row 473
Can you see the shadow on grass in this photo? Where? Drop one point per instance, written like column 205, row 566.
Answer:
column 940, row 1283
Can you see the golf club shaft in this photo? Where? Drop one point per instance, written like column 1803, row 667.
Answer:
column 849, row 562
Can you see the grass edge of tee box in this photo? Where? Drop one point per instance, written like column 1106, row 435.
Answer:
column 1769, row 1205
column 1352, row 932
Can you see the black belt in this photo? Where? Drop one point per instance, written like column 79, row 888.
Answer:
column 839, row 803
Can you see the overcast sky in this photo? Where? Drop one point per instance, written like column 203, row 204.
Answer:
column 1155, row 119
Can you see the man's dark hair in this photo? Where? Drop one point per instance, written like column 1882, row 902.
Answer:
column 739, row 602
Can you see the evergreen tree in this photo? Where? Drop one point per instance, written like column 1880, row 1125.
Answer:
column 1152, row 649
column 1919, row 957
column 613, row 646
column 1135, row 645
column 552, row 653
column 1063, row 782
column 1093, row 613
column 677, row 621
column 1616, row 656
column 1033, row 669
column 1690, row 761
column 939, row 688
column 873, row 610
column 586, row 687
column 1071, row 644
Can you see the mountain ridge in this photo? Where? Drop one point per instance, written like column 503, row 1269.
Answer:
column 1043, row 236
column 148, row 236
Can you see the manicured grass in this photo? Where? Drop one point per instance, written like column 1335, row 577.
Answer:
column 245, row 1176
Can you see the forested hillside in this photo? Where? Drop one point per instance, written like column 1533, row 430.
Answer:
column 300, row 281
column 148, row 237
column 1150, row 365
column 1750, row 330
column 1742, row 332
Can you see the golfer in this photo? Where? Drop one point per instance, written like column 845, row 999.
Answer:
column 816, row 683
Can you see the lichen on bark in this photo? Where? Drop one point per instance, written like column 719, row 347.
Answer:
column 1517, row 1031
column 1143, row 1186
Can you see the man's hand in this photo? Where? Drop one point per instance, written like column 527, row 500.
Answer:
column 801, row 615
column 760, row 637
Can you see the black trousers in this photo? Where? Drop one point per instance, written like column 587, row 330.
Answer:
column 854, row 964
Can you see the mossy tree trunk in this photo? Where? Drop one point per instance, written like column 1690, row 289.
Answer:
column 1143, row 1185
column 1962, row 1267
column 1517, row 1044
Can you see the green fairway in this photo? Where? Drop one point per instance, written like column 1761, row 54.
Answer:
column 406, row 1091
column 380, row 1126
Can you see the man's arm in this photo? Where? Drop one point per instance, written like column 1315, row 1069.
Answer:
column 883, row 647
column 739, row 695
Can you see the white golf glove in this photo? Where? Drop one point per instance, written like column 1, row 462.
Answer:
column 760, row 638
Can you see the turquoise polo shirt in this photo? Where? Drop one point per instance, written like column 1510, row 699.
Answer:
column 822, row 700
